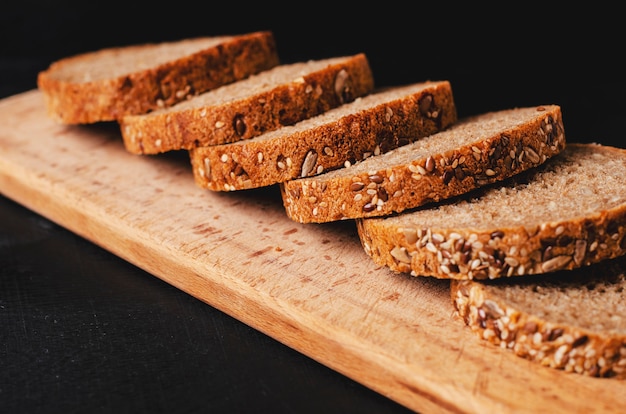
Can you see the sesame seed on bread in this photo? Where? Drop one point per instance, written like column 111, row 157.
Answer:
column 571, row 320
column 568, row 213
column 107, row 84
column 473, row 152
column 263, row 102
column 369, row 125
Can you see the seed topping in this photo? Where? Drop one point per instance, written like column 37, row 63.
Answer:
column 341, row 84
column 239, row 125
column 309, row 163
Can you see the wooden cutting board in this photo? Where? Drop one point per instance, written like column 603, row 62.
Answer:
column 309, row 286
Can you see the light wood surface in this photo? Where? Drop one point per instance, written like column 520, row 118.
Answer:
column 309, row 286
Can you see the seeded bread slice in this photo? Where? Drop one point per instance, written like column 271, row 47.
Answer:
column 107, row 84
column 473, row 152
column 568, row 213
column 568, row 320
column 263, row 102
column 368, row 126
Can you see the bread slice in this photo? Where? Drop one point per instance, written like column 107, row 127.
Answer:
column 569, row 320
column 369, row 125
column 263, row 102
column 568, row 213
column 475, row 151
column 107, row 84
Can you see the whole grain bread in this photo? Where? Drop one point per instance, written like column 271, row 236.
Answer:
column 572, row 320
column 369, row 125
column 107, row 84
column 263, row 102
column 568, row 213
column 473, row 152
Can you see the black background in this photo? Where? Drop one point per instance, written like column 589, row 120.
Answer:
column 83, row 331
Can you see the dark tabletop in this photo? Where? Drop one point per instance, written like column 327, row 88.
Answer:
column 81, row 330
column 84, row 331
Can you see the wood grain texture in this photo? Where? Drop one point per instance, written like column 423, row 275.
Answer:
column 309, row 286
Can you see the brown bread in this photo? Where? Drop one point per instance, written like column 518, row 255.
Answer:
column 473, row 152
column 568, row 213
column 572, row 320
column 107, row 84
column 263, row 102
column 368, row 126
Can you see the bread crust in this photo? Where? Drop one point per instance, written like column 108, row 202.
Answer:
column 72, row 97
column 552, row 337
column 425, row 108
column 300, row 97
column 382, row 187
column 489, row 251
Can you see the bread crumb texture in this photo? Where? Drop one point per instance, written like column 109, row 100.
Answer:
column 107, row 84
column 471, row 153
column 263, row 102
column 368, row 126
column 568, row 213
column 570, row 320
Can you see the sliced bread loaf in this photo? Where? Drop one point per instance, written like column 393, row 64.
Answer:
column 369, row 125
column 473, row 152
column 568, row 213
column 107, row 84
column 263, row 102
column 569, row 320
